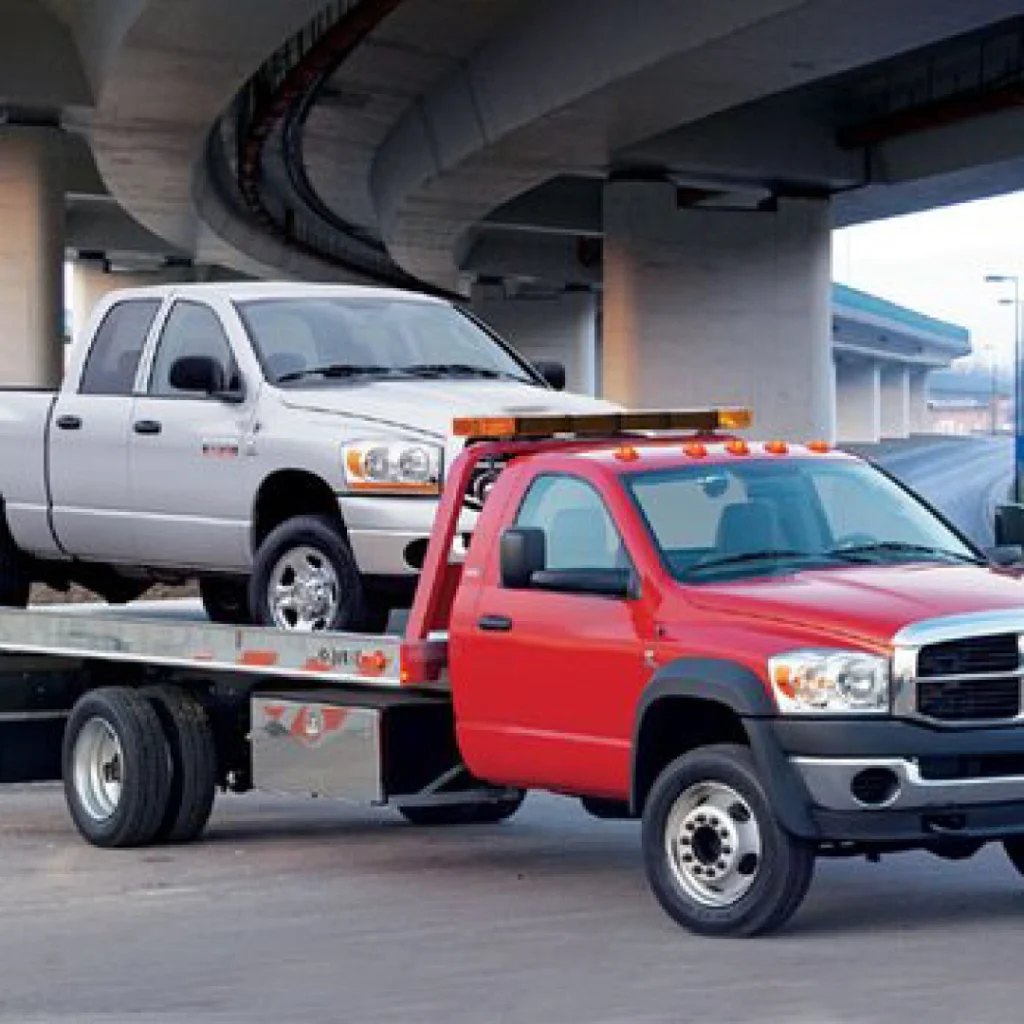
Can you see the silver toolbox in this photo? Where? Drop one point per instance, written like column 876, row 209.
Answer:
column 316, row 748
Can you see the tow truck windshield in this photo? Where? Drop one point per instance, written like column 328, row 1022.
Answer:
column 759, row 517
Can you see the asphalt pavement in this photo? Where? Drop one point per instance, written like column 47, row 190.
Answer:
column 303, row 911
column 965, row 478
column 313, row 911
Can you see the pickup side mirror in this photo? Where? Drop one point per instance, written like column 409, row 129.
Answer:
column 1009, row 525
column 205, row 375
column 552, row 372
column 523, row 553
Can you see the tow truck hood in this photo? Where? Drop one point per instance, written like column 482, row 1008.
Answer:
column 863, row 605
column 429, row 406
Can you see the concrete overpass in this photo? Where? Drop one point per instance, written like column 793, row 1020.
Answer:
column 685, row 158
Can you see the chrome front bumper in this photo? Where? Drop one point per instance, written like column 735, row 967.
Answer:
column 829, row 782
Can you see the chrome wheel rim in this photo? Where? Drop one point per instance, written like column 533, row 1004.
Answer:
column 304, row 591
column 98, row 769
column 713, row 844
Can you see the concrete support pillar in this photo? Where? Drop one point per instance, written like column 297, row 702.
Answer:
column 719, row 307
column 920, row 415
column 894, row 383
column 558, row 327
column 858, row 402
column 31, row 256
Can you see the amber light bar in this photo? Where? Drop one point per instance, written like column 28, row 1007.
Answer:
column 602, row 424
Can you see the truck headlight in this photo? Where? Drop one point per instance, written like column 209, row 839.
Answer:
column 830, row 682
column 397, row 467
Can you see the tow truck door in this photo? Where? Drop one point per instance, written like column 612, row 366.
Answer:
column 555, row 675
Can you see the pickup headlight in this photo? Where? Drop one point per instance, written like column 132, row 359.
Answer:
column 396, row 467
column 830, row 682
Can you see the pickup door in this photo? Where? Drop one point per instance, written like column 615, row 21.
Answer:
column 88, row 464
column 191, row 480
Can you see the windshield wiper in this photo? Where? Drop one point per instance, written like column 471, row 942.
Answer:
column 338, row 370
column 771, row 554
column 900, row 547
column 461, row 370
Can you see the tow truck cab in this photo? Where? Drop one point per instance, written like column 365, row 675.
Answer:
column 767, row 651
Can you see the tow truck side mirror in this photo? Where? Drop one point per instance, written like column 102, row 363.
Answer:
column 523, row 552
column 1009, row 526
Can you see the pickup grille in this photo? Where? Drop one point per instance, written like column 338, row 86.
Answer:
column 969, row 700
column 974, row 655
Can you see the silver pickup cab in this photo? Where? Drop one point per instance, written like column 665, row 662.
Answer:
column 283, row 444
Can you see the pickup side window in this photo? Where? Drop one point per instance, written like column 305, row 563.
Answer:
column 191, row 329
column 114, row 357
column 578, row 529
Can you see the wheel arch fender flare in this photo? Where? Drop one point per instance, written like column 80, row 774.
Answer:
column 741, row 693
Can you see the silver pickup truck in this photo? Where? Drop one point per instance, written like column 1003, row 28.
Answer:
column 284, row 444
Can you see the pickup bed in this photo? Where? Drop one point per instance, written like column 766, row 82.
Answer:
column 284, row 444
column 768, row 653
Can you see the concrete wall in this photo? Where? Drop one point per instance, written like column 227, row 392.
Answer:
column 31, row 256
column 707, row 306
column 555, row 327
column 858, row 401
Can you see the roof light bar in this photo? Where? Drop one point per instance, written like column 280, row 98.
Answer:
column 602, row 424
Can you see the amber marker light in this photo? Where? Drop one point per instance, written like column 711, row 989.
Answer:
column 776, row 447
column 695, row 450
column 627, row 453
column 738, row 448
column 819, row 446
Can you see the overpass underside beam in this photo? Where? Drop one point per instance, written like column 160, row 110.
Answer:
column 716, row 306
column 31, row 256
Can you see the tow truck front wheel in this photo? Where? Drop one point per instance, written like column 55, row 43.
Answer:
column 718, row 861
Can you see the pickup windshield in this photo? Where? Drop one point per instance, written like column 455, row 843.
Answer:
column 331, row 342
column 762, row 518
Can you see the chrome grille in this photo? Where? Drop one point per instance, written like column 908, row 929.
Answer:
column 971, row 655
column 963, row 679
column 969, row 700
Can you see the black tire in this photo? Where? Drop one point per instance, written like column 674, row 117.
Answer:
column 143, row 767
column 226, row 600
column 193, row 753
column 464, row 814
column 776, row 880
column 15, row 582
column 1014, row 847
column 324, row 537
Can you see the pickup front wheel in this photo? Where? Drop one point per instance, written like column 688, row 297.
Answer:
column 716, row 858
column 305, row 579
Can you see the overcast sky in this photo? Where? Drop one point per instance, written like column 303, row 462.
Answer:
column 935, row 262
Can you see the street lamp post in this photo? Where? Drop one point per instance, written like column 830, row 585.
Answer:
column 1018, row 420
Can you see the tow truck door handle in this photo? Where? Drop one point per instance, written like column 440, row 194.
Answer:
column 69, row 422
column 147, row 427
column 494, row 623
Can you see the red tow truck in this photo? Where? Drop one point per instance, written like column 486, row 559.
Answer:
column 767, row 652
